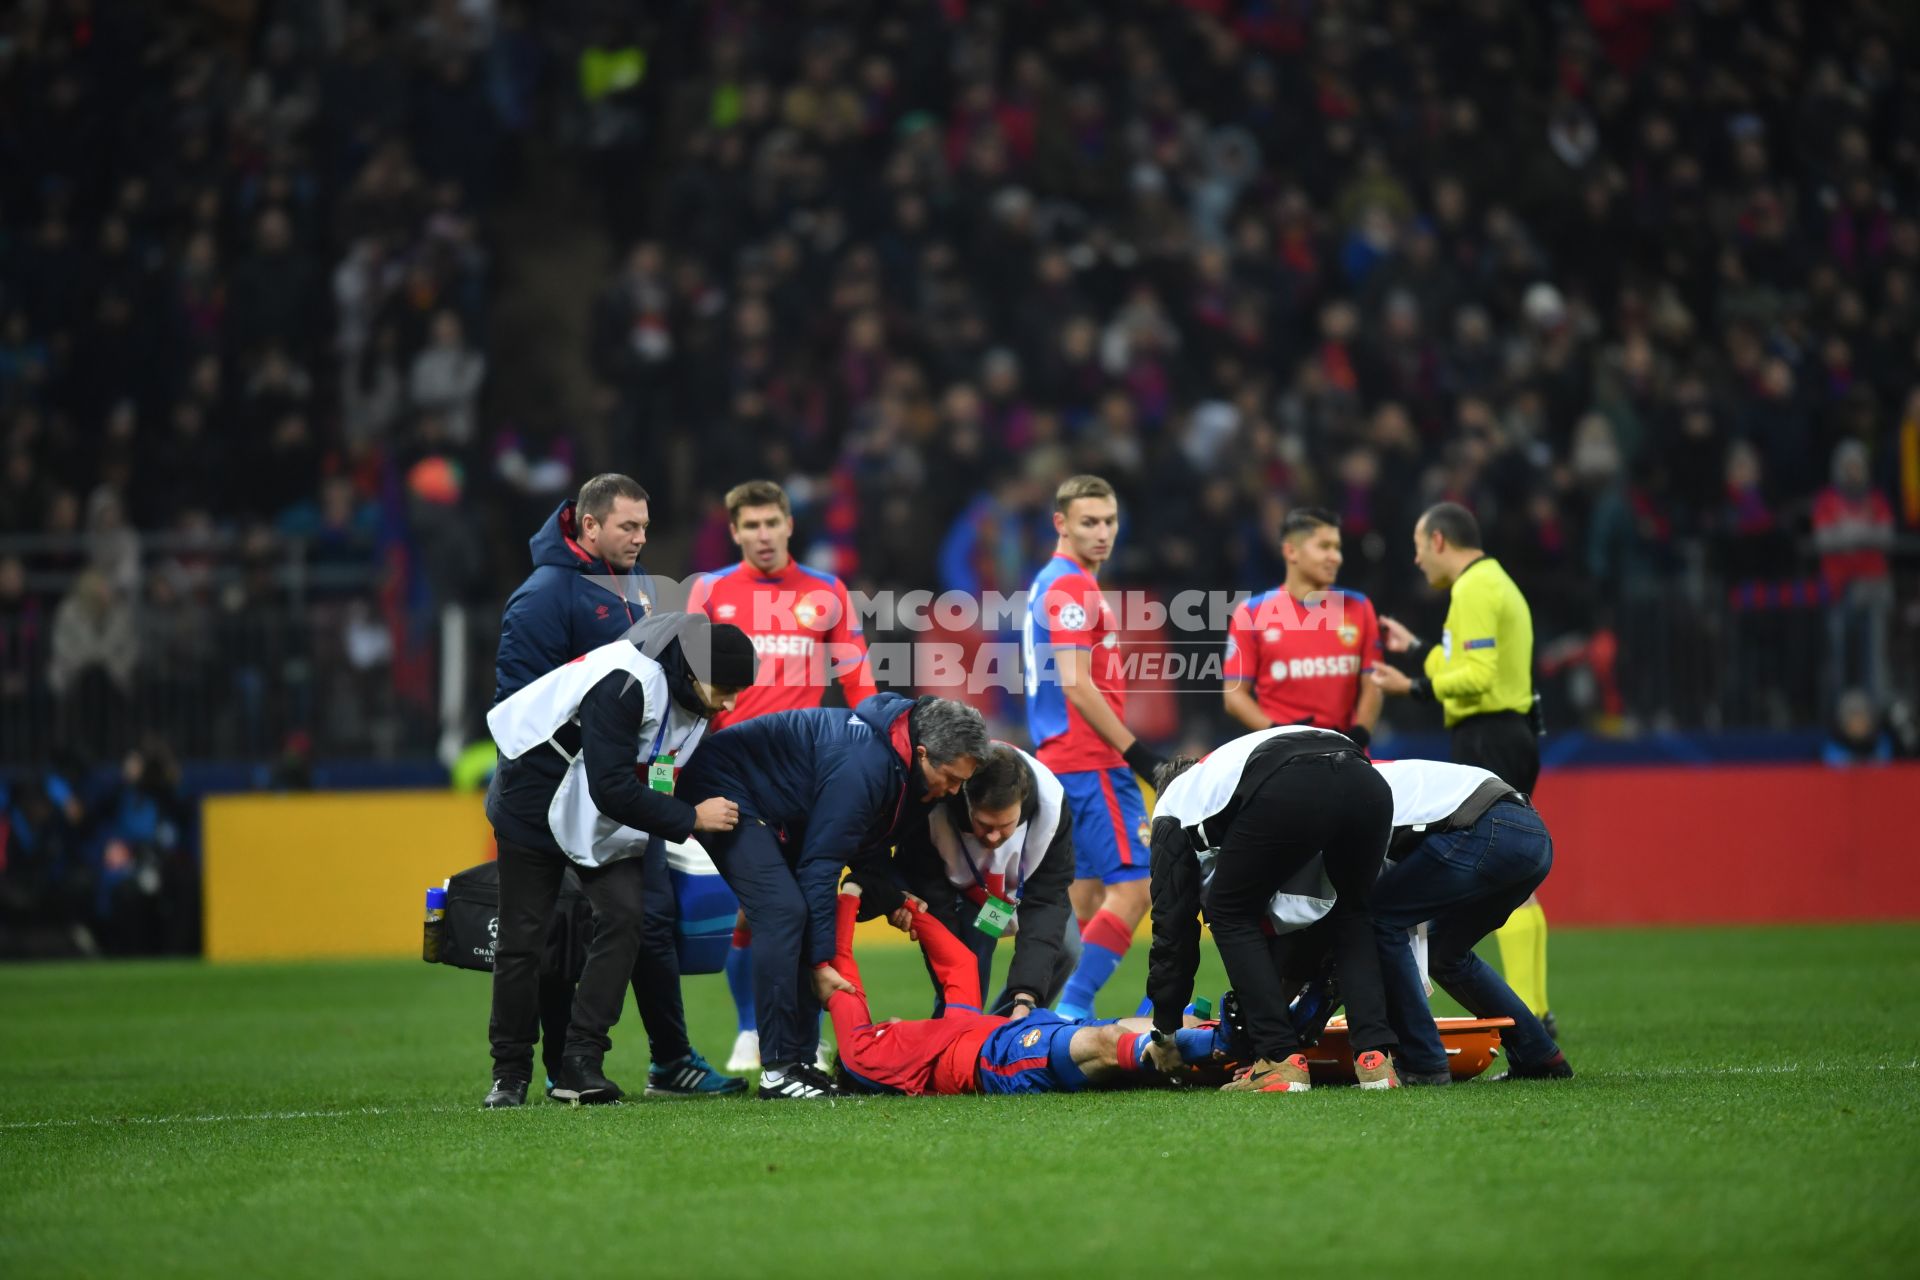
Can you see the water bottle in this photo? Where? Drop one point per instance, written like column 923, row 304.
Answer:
column 433, row 936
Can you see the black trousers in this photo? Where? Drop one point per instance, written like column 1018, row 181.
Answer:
column 656, row 977
column 1337, row 806
column 529, row 884
column 1503, row 744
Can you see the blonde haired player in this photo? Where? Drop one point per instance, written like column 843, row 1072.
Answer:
column 1076, row 704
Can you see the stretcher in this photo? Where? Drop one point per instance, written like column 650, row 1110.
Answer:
column 1471, row 1044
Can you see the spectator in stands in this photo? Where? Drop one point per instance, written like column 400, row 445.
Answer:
column 92, row 654
column 446, row 377
column 1853, row 531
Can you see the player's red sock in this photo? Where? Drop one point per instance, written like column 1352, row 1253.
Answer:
column 1107, row 930
column 1132, row 1050
column 742, row 935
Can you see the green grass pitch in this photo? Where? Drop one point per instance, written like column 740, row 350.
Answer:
column 1748, row 1103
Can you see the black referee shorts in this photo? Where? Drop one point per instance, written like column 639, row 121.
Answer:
column 1503, row 744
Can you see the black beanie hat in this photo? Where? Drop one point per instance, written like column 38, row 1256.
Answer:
column 734, row 662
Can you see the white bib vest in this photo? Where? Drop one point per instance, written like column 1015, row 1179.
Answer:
column 970, row 864
column 1204, row 790
column 528, row 720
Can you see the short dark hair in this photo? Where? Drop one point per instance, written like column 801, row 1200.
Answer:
column 1001, row 780
column 757, row 493
column 1454, row 523
column 1303, row 520
column 598, row 494
column 1164, row 775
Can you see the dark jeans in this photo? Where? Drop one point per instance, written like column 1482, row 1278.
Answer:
column 1503, row 744
column 1336, row 806
column 656, row 976
column 529, row 884
column 752, row 863
column 958, row 914
column 1466, row 883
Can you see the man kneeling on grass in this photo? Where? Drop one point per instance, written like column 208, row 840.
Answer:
column 967, row 1051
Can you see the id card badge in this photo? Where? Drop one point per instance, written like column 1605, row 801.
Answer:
column 995, row 915
column 660, row 773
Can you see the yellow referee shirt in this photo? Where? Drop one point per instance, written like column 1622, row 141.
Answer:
column 1484, row 662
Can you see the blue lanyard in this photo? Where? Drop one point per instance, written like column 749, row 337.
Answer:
column 979, row 880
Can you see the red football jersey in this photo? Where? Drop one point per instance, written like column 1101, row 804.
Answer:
column 923, row 1055
column 1065, row 610
column 802, row 627
column 1306, row 661
column 920, row 1056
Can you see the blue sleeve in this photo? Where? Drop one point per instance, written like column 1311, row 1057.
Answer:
column 847, row 800
column 534, row 638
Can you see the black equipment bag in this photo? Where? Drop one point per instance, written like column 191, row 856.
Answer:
column 473, row 923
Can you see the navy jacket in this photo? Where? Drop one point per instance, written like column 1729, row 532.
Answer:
column 570, row 603
column 834, row 782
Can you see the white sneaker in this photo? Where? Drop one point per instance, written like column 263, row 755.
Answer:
column 823, row 1056
column 746, row 1052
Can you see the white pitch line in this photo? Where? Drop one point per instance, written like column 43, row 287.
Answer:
column 232, row 1118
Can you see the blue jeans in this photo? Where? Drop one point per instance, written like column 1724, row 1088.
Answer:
column 1465, row 884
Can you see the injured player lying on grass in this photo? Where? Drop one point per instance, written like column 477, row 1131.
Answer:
column 967, row 1051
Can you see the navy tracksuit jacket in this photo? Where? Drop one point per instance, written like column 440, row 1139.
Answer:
column 818, row 789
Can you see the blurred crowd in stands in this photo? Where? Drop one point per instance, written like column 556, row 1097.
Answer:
column 1637, row 280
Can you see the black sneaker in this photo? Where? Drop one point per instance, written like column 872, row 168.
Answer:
column 1430, row 1079
column 797, row 1080
column 581, row 1084
column 1556, row 1068
column 506, row 1092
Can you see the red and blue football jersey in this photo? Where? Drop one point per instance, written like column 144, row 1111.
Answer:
column 803, row 629
column 1065, row 610
column 1306, row 662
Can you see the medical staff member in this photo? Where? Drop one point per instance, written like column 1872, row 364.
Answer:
column 588, row 779
column 996, row 860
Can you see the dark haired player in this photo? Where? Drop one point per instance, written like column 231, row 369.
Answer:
column 1300, row 654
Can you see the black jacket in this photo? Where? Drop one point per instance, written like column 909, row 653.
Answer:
column 611, row 715
column 1044, row 905
column 1173, row 856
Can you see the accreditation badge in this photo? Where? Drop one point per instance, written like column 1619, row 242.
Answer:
column 995, row 915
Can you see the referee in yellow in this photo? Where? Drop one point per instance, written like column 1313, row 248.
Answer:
column 1481, row 674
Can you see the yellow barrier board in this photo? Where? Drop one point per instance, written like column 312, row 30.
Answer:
column 334, row 874
column 345, row 873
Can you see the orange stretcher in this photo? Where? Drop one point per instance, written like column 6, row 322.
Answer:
column 1471, row 1044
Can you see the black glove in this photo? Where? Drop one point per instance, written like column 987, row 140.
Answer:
column 1422, row 690
column 1361, row 735
column 1143, row 759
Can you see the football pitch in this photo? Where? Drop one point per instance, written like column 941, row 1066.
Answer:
column 1748, row 1102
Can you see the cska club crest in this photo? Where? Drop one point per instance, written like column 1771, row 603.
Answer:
column 804, row 613
column 1349, row 634
column 1030, row 1039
